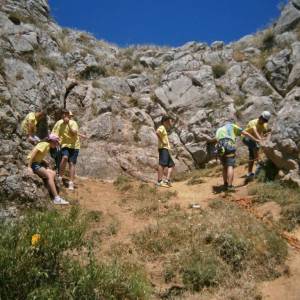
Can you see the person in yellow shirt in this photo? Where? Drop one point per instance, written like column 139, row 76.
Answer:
column 29, row 126
column 68, row 132
column 166, row 162
column 258, row 128
column 36, row 164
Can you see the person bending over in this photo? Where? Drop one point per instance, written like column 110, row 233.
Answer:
column 29, row 126
column 258, row 128
column 36, row 164
column 226, row 145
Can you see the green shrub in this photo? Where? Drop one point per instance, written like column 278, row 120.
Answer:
column 232, row 249
column 267, row 171
column 123, row 183
column 36, row 262
column 93, row 72
column 25, row 267
column 202, row 271
column 239, row 100
column 50, row 63
column 268, row 40
column 219, row 70
column 291, row 215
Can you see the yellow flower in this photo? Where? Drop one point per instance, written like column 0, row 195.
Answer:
column 35, row 239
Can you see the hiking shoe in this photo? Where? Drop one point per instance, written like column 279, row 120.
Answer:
column 71, row 185
column 230, row 189
column 60, row 201
column 167, row 182
column 162, row 184
column 249, row 177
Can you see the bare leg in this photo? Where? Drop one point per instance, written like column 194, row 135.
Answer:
column 225, row 175
column 72, row 171
column 230, row 174
column 170, row 171
column 160, row 173
column 62, row 166
column 49, row 175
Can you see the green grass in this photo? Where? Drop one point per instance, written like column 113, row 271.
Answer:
column 47, row 269
column 211, row 248
column 287, row 197
column 219, row 70
column 123, row 183
column 93, row 72
column 145, row 200
column 197, row 174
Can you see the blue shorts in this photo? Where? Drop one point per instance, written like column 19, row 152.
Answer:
column 72, row 154
column 165, row 159
column 36, row 166
column 252, row 147
column 228, row 161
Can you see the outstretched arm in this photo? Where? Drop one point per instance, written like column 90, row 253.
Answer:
column 245, row 133
column 84, row 136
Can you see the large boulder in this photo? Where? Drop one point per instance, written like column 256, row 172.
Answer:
column 289, row 18
column 277, row 70
column 284, row 147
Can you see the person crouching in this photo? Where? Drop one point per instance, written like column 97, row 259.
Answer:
column 36, row 164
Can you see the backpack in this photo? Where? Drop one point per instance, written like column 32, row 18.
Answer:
column 225, row 146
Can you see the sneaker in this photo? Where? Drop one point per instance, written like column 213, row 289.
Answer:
column 167, row 182
column 71, row 185
column 230, row 189
column 162, row 184
column 249, row 178
column 60, row 201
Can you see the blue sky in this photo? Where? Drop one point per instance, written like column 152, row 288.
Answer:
column 165, row 22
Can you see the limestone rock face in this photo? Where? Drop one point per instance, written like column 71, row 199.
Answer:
column 290, row 17
column 118, row 96
column 284, row 146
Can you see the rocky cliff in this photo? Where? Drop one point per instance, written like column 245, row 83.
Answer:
column 119, row 95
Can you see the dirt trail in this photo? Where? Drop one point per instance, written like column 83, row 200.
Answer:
column 103, row 197
column 285, row 287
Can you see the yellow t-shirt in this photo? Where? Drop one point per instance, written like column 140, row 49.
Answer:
column 67, row 139
column 43, row 149
column 261, row 128
column 30, row 119
column 163, row 142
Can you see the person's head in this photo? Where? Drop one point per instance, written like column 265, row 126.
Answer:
column 53, row 140
column 41, row 114
column 264, row 117
column 66, row 115
column 166, row 121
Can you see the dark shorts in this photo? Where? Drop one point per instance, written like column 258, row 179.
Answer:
column 228, row 161
column 165, row 159
column 36, row 166
column 72, row 154
column 252, row 147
